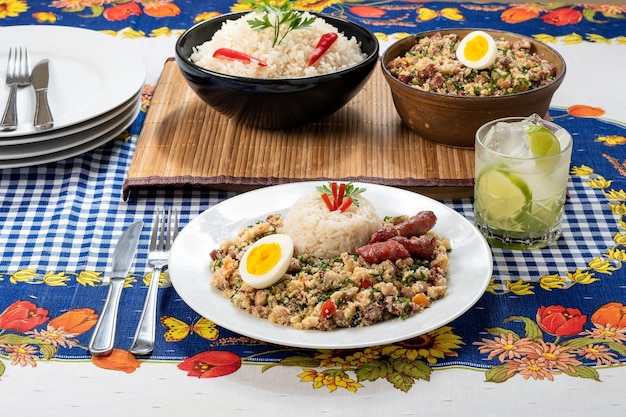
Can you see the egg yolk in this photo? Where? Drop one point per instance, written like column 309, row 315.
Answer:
column 476, row 48
column 263, row 258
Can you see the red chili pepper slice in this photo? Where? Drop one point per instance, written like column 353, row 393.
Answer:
column 228, row 53
column 333, row 187
column 341, row 194
column 328, row 203
column 345, row 204
column 323, row 45
column 328, row 309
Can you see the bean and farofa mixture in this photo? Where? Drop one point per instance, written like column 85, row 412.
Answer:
column 345, row 291
column 431, row 65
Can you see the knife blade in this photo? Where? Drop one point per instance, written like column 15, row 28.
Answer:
column 101, row 343
column 39, row 79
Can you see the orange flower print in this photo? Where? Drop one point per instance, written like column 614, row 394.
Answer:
column 611, row 313
column 367, row 11
column 582, row 110
column 122, row 11
column 76, row 321
column 162, row 10
column 118, row 360
column 519, row 14
column 563, row 17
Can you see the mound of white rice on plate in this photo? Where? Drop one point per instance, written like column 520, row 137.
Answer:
column 323, row 233
column 289, row 59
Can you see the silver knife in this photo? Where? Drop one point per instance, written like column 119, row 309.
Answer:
column 39, row 79
column 101, row 342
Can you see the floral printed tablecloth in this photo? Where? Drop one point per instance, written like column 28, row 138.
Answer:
column 547, row 338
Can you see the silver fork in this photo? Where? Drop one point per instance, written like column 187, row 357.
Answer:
column 163, row 234
column 18, row 75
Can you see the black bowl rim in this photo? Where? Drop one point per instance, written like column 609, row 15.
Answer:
column 390, row 78
column 232, row 16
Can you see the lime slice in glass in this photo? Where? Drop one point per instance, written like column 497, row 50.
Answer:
column 503, row 194
column 542, row 142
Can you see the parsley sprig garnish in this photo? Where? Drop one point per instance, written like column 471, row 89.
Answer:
column 278, row 18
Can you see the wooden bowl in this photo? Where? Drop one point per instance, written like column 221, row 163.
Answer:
column 453, row 120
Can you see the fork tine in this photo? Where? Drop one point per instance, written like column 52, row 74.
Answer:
column 175, row 225
column 26, row 63
column 10, row 63
column 155, row 231
column 163, row 235
column 172, row 228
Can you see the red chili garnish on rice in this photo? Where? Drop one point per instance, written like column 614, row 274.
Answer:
column 227, row 53
column 323, row 45
column 340, row 196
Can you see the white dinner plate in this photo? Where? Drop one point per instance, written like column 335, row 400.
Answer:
column 103, row 120
column 30, row 150
column 470, row 267
column 90, row 73
column 92, row 142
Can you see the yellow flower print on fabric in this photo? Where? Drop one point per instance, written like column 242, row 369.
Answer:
column 612, row 140
column 329, row 379
column 573, row 39
column 12, row 8
column 45, row 17
column 89, row 278
column 552, row 282
column 24, row 275
column 56, row 279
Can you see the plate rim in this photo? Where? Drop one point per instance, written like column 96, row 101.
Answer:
column 94, row 142
column 70, row 43
column 262, row 329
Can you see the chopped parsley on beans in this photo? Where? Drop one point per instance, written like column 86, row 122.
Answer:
column 431, row 65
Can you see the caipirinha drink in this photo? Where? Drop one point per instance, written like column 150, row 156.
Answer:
column 522, row 167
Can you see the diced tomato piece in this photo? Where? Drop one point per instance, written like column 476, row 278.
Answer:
column 328, row 309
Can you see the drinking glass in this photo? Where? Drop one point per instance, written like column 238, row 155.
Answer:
column 521, row 181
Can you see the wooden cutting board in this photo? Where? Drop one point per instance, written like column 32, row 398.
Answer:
column 184, row 142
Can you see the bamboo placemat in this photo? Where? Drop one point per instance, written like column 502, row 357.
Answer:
column 184, row 142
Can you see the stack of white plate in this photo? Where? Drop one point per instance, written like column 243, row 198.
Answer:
column 95, row 87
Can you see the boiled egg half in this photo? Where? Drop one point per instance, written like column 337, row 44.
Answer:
column 477, row 50
column 266, row 260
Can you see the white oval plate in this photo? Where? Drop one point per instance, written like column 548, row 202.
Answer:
column 85, row 142
column 90, row 73
column 470, row 267
column 29, row 150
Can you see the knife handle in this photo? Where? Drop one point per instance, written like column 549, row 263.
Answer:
column 101, row 343
column 43, row 115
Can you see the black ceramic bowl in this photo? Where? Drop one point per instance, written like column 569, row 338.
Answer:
column 281, row 102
